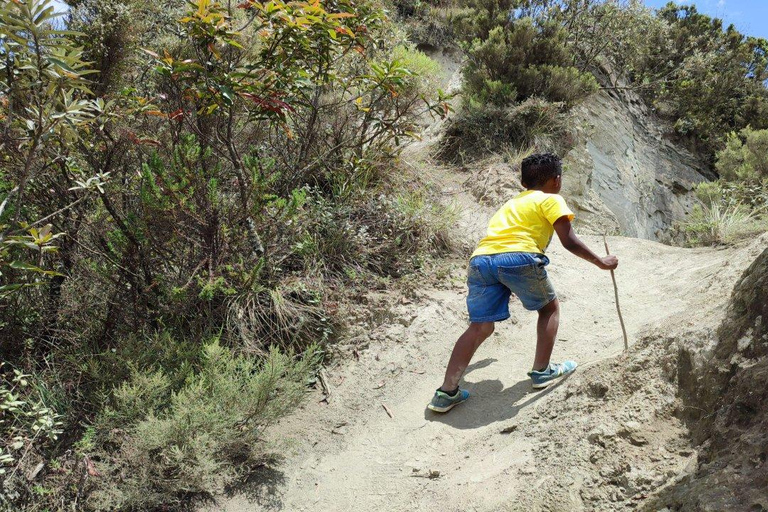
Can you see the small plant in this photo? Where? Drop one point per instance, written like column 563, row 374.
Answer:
column 27, row 423
column 719, row 223
column 163, row 445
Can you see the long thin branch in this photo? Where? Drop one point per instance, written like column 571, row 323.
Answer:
column 62, row 210
column 7, row 198
column 105, row 256
column 616, row 293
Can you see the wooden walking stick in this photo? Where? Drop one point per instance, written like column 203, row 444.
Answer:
column 616, row 293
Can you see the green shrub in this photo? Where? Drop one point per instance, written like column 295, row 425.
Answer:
column 373, row 234
column 710, row 192
column 162, row 446
column 745, row 157
column 524, row 58
column 751, row 194
column 426, row 222
column 425, row 69
column 161, row 350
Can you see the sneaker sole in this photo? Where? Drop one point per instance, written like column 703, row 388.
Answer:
column 443, row 409
column 544, row 385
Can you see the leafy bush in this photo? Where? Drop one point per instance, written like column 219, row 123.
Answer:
column 521, row 59
column 373, row 234
column 751, row 194
column 28, row 423
column 163, row 445
column 745, row 157
column 417, row 62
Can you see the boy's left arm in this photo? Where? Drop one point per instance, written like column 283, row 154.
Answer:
column 572, row 243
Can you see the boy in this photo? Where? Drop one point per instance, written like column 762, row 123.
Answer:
column 510, row 259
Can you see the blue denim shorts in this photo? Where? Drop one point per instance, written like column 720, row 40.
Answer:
column 493, row 278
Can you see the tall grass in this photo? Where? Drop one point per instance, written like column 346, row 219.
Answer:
column 719, row 223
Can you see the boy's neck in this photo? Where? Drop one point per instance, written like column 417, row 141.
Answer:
column 546, row 190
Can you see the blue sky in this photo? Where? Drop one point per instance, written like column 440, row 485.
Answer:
column 749, row 16
column 60, row 4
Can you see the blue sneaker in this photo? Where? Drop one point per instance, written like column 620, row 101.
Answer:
column 442, row 402
column 551, row 374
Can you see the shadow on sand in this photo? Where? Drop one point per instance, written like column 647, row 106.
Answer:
column 262, row 488
column 489, row 402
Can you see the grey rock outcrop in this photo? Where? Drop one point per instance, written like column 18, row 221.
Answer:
column 623, row 176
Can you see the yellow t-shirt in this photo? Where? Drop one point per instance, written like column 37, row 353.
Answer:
column 524, row 224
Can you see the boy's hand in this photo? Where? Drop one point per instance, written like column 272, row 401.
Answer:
column 609, row 262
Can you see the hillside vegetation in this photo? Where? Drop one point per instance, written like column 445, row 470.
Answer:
column 195, row 196
column 192, row 196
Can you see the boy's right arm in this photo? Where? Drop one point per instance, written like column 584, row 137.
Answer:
column 571, row 242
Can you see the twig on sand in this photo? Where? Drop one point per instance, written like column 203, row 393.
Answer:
column 616, row 293
column 324, row 384
column 389, row 413
column 431, row 474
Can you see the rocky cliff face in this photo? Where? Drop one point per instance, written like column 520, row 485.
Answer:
column 624, row 176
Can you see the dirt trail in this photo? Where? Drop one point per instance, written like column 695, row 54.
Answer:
column 604, row 439
column 349, row 455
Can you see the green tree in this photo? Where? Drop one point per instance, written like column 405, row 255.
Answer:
column 745, row 157
column 45, row 107
column 709, row 79
column 512, row 57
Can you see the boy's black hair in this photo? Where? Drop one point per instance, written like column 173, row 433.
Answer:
column 537, row 169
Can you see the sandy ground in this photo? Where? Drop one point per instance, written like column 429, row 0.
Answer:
column 604, row 439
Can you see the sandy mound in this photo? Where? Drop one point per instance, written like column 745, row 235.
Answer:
column 725, row 392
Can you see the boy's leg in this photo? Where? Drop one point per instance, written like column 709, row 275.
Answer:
column 465, row 348
column 546, row 332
